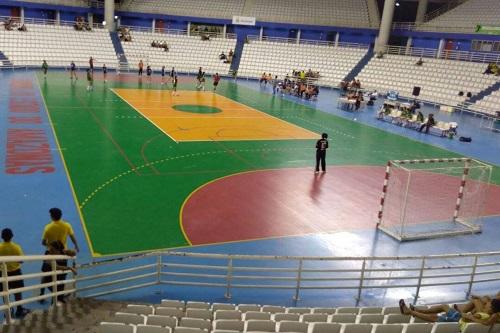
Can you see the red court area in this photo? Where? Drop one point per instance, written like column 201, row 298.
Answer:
column 286, row 202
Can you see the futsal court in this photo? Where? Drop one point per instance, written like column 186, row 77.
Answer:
column 136, row 168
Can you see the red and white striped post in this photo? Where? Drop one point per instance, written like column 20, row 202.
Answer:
column 461, row 190
column 384, row 191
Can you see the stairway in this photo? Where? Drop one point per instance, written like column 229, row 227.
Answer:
column 78, row 315
column 360, row 65
column 5, row 61
column 117, row 44
column 238, row 53
column 483, row 93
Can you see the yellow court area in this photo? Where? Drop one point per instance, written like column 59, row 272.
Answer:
column 207, row 116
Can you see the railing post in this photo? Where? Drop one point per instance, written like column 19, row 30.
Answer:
column 53, row 265
column 361, row 281
column 299, row 277
column 158, row 268
column 5, row 288
column 229, row 278
column 472, row 275
column 420, row 277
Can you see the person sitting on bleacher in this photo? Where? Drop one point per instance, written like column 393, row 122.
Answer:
column 9, row 24
column 420, row 62
column 22, row 28
column 222, row 56
column 428, row 124
column 486, row 314
column 492, row 69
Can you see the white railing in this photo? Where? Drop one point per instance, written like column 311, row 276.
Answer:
column 445, row 54
column 32, row 287
column 32, row 20
column 306, row 41
column 426, row 27
column 293, row 273
column 175, row 32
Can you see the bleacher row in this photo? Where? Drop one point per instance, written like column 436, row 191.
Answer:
column 441, row 80
column 352, row 13
column 173, row 316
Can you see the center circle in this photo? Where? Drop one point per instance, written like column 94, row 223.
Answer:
column 196, row 108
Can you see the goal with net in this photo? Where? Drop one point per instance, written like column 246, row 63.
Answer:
column 433, row 197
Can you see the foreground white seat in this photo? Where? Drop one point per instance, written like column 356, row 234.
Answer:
column 419, row 328
column 248, row 307
column 388, row 328
column 371, row 318
column 298, row 310
column 195, row 323
column 367, row 310
column 445, row 328
column 260, row 326
column 273, row 309
column 324, row 328
column 129, row 318
column 314, row 318
column 348, row 310
column 343, row 318
column 227, row 314
column 165, row 321
column 171, row 303
column 197, row 305
column 324, row 310
column 357, row 328
column 171, row 312
column 222, row 306
column 199, row 313
column 397, row 319
column 180, row 329
column 106, row 327
column 256, row 315
column 479, row 328
column 152, row 329
column 230, row 325
column 286, row 316
column 139, row 309
column 292, row 326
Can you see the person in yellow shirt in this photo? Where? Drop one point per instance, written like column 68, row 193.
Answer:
column 9, row 248
column 58, row 230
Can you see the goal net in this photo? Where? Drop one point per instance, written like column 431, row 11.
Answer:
column 433, row 197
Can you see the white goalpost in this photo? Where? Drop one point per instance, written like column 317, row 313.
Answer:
column 433, row 197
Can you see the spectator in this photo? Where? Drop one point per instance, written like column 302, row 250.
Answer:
column 22, row 28
column 173, row 74
column 45, row 68
column 420, row 62
column 9, row 248
column 428, row 124
column 149, row 72
column 174, row 86
column 91, row 64
column 275, row 84
column 222, row 56
column 56, row 248
column 57, row 229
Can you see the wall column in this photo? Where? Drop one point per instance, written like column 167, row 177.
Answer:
column 385, row 26
column 153, row 25
column 421, row 10
column 337, row 37
column 189, row 29
column 109, row 14
column 440, row 48
column 90, row 19
column 22, row 14
column 58, row 17
column 261, row 33
column 298, row 36
column 409, row 42
column 224, row 30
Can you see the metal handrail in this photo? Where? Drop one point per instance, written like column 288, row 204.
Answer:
column 5, row 280
column 306, row 41
column 345, row 273
column 482, row 57
column 40, row 21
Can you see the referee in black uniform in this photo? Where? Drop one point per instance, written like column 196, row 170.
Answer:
column 321, row 147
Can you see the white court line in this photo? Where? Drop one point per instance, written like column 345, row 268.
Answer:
column 143, row 115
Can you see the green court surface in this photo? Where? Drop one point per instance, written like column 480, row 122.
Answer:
column 131, row 180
